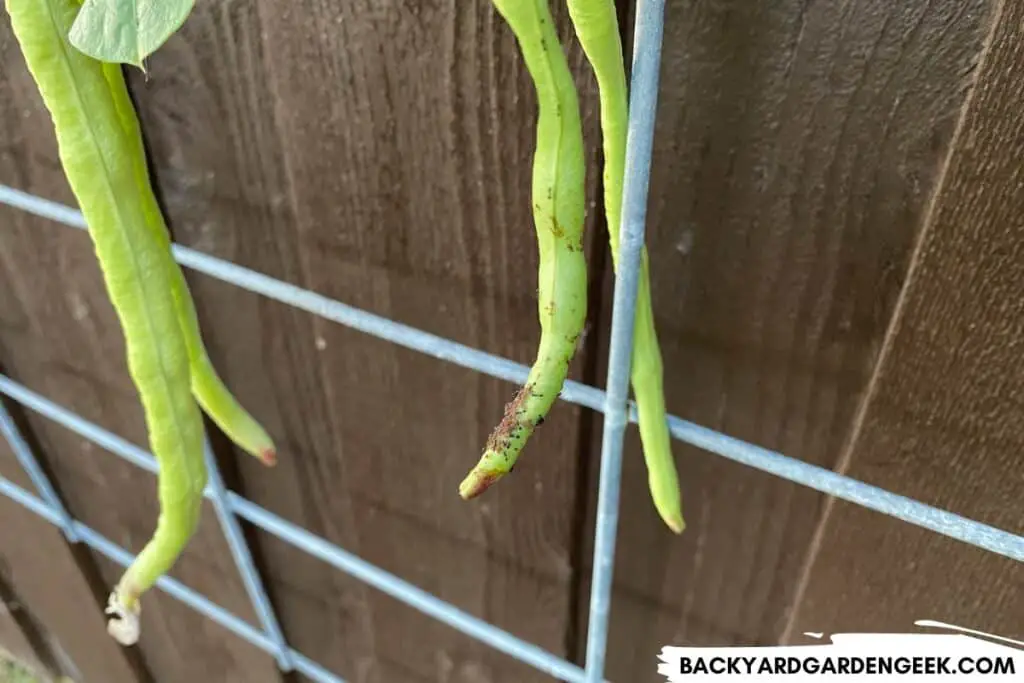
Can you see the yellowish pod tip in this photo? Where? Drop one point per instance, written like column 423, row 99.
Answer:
column 676, row 524
column 477, row 482
column 669, row 511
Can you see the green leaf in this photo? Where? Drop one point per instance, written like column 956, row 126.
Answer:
column 127, row 31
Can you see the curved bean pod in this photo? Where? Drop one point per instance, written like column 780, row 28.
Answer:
column 597, row 29
column 207, row 386
column 558, row 210
column 100, row 161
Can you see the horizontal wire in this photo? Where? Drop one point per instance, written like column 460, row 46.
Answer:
column 172, row 587
column 812, row 476
column 310, row 543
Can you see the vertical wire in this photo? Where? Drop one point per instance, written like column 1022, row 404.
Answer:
column 647, row 38
column 243, row 560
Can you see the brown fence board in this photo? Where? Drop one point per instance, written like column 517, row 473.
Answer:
column 15, row 638
column 15, row 645
column 43, row 573
column 943, row 420
column 57, row 593
column 796, row 145
column 379, row 155
column 65, row 342
column 20, row 640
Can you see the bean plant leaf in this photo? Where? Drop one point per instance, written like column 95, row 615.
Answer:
column 126, row 31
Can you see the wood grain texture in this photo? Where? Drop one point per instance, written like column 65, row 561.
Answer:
column 60, row 336
column 14, row 645
column 16, row 641
column 56, row 589
column 796, row 146
column 942, row 423
column 378, row 153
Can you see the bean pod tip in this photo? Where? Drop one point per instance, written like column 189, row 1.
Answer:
column 478, row 481
column 123, row 624
column 268, row 456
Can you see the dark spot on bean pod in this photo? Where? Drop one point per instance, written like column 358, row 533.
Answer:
column 500, row 438
column 556, row 229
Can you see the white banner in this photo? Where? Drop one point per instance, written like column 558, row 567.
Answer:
column 968, row 657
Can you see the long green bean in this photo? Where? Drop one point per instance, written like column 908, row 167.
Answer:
column 597, row 29
column 101, row 151
column 558, row 211
column 207, row 386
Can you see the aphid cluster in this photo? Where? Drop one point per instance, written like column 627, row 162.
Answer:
column 558, row 213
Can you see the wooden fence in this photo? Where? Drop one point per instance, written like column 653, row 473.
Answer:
column 838, row 268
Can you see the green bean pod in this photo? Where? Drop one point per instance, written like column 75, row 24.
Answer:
column 207, row 386
column 597, row 29
column 558, row 210
column 100, row 151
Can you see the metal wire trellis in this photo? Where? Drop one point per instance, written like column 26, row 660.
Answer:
column 618, row 411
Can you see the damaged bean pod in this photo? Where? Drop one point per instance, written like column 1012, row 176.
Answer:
column 558, row 210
